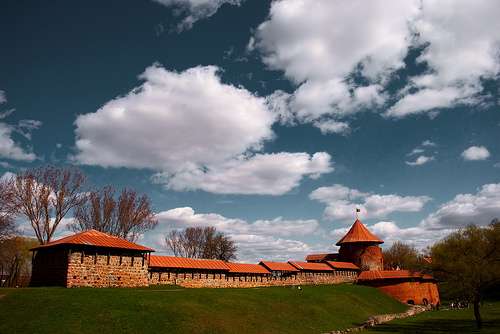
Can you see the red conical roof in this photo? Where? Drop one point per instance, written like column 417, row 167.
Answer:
column 359, row 233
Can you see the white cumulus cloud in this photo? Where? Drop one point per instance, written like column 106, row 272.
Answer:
column 195, row 10
column 479, row 208
column 463, row 39
column 428, row 143
column 197, row 132
column 275, row 239
column 331, row 126
column 342, row 201
column 9, row 148
column 320, row 46
column 424, row 100
column 421, row 160
column 476, row 153
column 265, row 174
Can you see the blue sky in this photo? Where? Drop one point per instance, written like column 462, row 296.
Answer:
column 271, row 120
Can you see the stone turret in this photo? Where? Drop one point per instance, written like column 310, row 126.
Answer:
column 361, row 247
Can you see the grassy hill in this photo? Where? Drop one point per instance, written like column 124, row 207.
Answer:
column 445, row 321
column 175, row 310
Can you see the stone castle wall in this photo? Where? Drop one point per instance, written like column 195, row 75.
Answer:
column 106, row 270
column 221, row 280
column 91, row 268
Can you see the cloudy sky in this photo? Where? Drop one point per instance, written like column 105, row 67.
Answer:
column 270, row 120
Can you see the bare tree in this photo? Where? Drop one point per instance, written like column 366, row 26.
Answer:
column 187, row 243
column 402, row 256
column 201, row 242
column 126, row 217
column 7, row 208
column 45, row 195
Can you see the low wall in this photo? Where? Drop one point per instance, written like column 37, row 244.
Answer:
column 220, row 280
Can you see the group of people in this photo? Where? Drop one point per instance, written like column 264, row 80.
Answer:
column 455, row 305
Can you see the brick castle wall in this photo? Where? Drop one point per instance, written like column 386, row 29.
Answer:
column 106, row 270
column 410, row 291
column 220, row 280
column 367, row 257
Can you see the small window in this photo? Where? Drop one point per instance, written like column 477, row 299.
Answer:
column 410, row 302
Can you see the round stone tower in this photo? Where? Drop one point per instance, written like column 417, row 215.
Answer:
column 361, row 247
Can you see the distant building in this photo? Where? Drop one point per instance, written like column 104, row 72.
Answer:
column 322, row 257
column 361, row 247
column 311, row 267
column 360, row 251
column 96, row 259
column 90, row 258
column 343, row 266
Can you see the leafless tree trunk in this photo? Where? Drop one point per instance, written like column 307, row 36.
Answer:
column 173, row 242
column 201, row 242
column 134, row 214
column 45, row 195
column 7, row 208
column 127, row 217
column 477, row 314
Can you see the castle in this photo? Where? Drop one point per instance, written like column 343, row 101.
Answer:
column 95, row 259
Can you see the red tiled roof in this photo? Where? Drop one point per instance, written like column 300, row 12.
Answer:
column 246, row 268
column 342, row 265
column 359, row 233
column 310, row 266
column 97, row 239
column 372, row 275
column 319, row 257
column 278, row 266
column 186, row 263
column 428, row 277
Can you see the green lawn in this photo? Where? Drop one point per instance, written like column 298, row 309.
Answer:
column 445, row 321
column 175, row 310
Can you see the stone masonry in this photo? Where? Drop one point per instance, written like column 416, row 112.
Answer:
column 221, row 280
column 98, row 269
